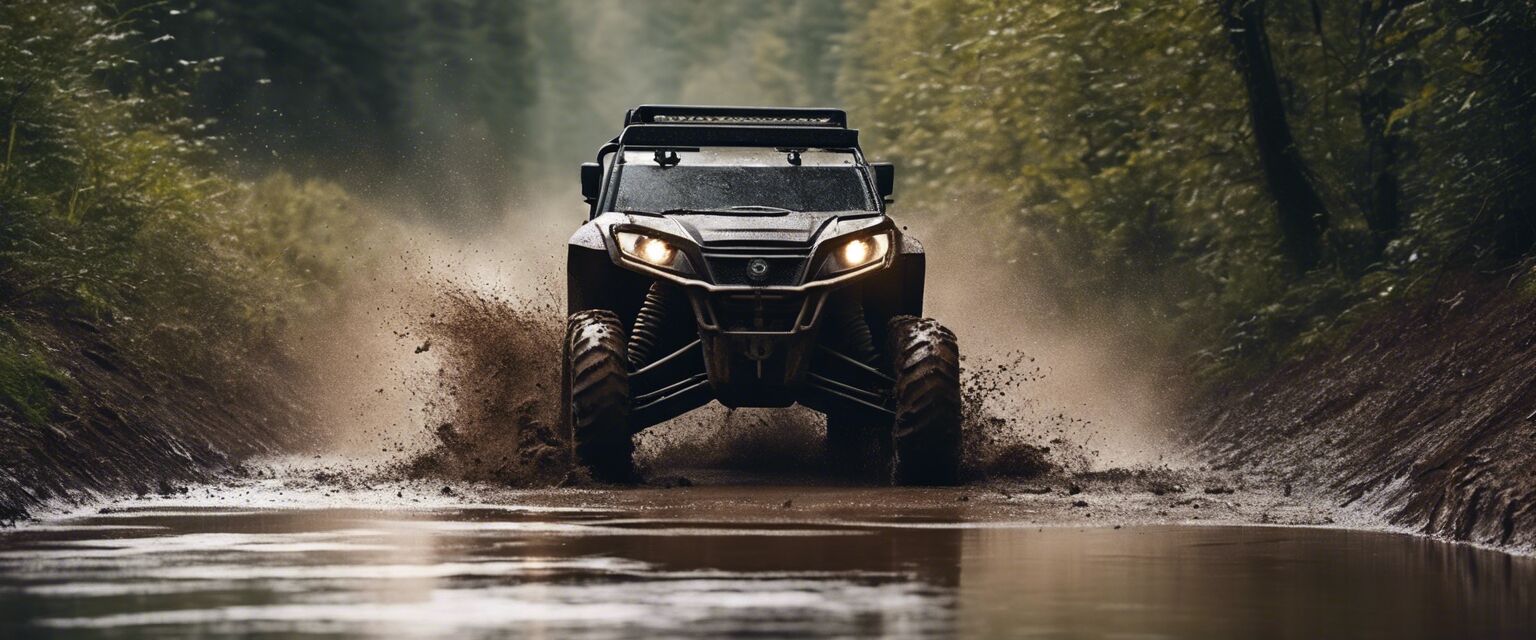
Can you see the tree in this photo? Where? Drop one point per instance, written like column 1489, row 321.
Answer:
column 1299, row 208
column 1382, row 100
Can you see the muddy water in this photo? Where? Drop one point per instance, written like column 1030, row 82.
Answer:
column 168, row 571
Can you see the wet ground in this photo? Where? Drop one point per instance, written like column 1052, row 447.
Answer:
column 272, row 559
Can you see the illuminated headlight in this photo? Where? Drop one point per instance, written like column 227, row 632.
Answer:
column 652, row 251
column 858, row 252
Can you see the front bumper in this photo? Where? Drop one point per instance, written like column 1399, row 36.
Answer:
column 759, row 327
column 757, row 346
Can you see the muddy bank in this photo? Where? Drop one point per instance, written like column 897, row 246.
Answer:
column 123, row 422
column 1426, row 415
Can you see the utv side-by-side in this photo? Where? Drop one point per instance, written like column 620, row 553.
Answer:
column 744, row 255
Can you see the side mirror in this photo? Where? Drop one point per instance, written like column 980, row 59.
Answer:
column 591, row 181
column 885, row 179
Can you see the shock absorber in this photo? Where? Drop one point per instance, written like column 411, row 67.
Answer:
column 649, row 324
column 848, row 318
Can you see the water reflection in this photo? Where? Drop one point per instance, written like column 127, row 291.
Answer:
column 488, row 572
column 1241, row 582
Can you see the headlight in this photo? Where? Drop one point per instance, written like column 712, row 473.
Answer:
column 652, row 251
column 857, row 252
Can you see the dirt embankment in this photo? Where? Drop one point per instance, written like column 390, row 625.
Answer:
column 121, row 422
column 1426, row 415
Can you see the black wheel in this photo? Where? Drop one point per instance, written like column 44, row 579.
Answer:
column 859, row 448
column 926, row 436
column 595, row 390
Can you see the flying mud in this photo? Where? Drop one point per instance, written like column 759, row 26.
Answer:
column 491, row 411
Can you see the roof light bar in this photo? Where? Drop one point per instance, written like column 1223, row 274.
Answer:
column 741, row 120
column 666, row 114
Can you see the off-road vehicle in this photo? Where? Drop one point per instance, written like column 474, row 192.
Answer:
column 744, row 255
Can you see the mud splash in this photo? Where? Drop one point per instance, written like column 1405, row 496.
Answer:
column 491, row 410
column 1003, row 444
column 493, row 405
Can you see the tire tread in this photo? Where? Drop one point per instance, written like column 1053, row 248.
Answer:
column 926, row 435
column 597, row 384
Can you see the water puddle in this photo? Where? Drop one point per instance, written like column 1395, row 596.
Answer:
column 482, row 571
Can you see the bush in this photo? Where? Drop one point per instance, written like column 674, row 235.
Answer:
column 109, row 214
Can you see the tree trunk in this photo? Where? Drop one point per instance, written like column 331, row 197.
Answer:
column 1302, row 216
column 1385, row 76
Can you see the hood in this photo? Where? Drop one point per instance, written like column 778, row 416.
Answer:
column 797, row 227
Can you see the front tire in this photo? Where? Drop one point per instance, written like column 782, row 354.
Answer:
column 926, row 437
column 595, row 396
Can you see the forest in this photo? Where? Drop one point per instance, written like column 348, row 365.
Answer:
column 1238, row 182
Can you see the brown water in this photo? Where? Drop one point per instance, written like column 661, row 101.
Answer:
column 165, row 571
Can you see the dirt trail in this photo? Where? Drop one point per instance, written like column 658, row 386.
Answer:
column 1099, row 498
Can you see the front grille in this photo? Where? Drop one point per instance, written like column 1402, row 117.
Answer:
column 757, row 311
column 734, row 270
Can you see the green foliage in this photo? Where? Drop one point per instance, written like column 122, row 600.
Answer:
column 421, row 100
column 1525, row 280
column 106, row 213
column 1104, row 149
column 453, row 107
column 25, row 376
column 1099, row 144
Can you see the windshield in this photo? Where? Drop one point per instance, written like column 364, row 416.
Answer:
column 758, row 178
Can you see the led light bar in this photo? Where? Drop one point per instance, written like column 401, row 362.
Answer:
column 747, row 121
column 739, row 116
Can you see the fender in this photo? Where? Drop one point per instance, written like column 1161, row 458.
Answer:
column 896, row 291
column 592, row 281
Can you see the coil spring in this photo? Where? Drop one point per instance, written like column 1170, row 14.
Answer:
column 854, row 328
column 648, row 324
